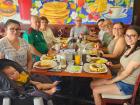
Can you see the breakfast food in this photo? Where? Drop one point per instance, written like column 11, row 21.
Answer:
column 55, row 11
column 44, row 63
column 55, row 5
column 47, row 57
column 98, row 60
column 96, row 68
column 7, row 9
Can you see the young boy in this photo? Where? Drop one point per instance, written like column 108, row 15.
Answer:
column 22, row 78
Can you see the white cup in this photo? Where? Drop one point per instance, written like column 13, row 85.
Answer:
column 117, row 11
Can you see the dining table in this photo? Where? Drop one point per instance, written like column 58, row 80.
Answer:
column 73, row 83
column 62, row 73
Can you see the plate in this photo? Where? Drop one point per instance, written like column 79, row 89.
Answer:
column 123, row 15
column 47, row 64
column 97, row 60
column 74, row 69
column 87, row 68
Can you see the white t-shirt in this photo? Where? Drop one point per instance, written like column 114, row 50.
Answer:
column 9, row 52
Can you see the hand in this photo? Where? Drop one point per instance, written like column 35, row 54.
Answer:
column 56, row 83
column 109, row 64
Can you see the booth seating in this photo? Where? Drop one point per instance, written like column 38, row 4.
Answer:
column 64, row 30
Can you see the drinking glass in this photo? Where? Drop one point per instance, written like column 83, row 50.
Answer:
column 77, row 59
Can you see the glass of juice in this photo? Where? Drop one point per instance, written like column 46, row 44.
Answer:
column 77, row 59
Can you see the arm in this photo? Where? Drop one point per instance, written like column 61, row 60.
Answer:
column 72, row 32
column 1, row 55
column 118, row 50
column 116, row 66
column 34, row 82
column 34, row 51
column 27, row 36
column 126, row 72
column 29, row 60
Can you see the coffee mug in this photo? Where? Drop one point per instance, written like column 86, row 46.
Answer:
column 116, row 11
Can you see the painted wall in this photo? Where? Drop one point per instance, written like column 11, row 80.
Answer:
column 65, row 11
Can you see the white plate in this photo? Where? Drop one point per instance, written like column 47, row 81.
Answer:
column 123, row 15
column 74, row 69
column 51, row 62
column 91, row 59
column 87, row 69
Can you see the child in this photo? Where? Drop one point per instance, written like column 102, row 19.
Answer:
column 23, row 78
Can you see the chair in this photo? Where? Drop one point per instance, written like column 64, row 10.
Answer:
column 121, row 99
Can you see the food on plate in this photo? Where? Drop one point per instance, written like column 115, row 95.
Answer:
column 47, row 57
column 44, row 63
column 98, row 60
column 92, row 52
column 96, row 68
column 75, row 68
column 7, row 8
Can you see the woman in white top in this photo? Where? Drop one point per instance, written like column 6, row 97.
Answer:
column 47, row 32
column 13, row 47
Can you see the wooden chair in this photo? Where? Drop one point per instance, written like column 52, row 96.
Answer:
column 121, row 99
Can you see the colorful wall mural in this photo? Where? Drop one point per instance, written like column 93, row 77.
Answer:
column 65, row 11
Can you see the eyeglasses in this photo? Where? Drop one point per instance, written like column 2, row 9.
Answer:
column 14, row 29
column 130, row 36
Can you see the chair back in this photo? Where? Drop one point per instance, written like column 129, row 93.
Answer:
column 136, row 87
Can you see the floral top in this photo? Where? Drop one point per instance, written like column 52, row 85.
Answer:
column 9, row 52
